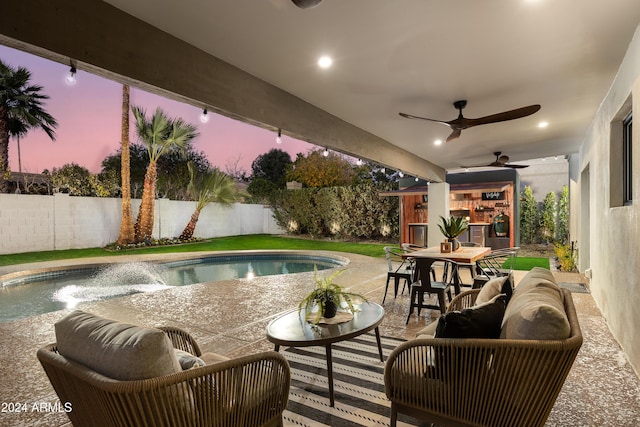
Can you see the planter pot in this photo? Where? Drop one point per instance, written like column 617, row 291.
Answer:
column 330, row 310
column 455, row 244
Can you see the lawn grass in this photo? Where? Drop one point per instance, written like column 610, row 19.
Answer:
column 527, row 263
column 255, row 242
column 234, row 243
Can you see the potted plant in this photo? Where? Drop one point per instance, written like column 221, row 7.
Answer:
column 328, row 297
column 452, row 228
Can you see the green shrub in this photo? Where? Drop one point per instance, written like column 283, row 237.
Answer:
column 353, row 211
column 566, row 256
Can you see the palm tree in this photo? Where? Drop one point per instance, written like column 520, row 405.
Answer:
column 213, row 186
column 160, row 135
column 20, row 110
column 127, row 234
column 18, row 129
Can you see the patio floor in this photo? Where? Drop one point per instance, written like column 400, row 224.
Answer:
column 230, row 317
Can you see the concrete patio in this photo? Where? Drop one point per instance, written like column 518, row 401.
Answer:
column 230, row 317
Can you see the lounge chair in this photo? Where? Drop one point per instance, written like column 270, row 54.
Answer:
column 109, row 373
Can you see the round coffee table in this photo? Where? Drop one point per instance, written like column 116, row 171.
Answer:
column 292, row 330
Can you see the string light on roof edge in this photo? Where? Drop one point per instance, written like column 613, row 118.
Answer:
column 279, row 137
column 204, row 117
column 325, row 153
column 70, row 79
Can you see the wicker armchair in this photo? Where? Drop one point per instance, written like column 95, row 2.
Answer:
column 247, row 391
column 480, row 382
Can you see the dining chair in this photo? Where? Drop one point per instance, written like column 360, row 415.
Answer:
column 398, row 269
column 424, row 285
column 411, row 247
column 498, row 263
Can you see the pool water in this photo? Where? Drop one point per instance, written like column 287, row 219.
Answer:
column 57, row 290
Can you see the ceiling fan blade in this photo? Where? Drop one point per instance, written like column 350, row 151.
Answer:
column 504, row 116
column 515, row 166
column 454, row 135
column 409, row 116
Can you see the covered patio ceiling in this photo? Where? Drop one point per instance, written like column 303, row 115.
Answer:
column 256, row 61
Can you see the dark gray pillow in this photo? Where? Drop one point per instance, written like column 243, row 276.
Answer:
column 480, row 321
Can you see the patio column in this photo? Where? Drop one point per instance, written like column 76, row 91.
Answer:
column 438, row 206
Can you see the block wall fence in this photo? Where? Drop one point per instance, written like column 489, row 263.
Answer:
column 30, row 223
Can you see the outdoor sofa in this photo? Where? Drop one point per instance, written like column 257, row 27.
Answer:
column 109, row 373
column 502, row 362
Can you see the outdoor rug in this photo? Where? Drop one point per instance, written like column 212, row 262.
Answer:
column 358, row 378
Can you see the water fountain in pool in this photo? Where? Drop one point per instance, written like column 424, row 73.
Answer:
column 112, row 281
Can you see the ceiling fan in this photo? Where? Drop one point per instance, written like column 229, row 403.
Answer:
column 461, row 123
column 500, row 162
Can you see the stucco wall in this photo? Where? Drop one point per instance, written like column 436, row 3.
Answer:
column 545, row 177
column 613, row 251
column 39, row 223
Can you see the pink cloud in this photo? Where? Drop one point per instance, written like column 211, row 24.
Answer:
column 88, row 116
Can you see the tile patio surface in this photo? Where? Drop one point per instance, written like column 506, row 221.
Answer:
column 230, row 317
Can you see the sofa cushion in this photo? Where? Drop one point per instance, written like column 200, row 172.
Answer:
column 479, row 321
column 536, row 310
column 537, row 277
column 115, row 349
column 496, row 286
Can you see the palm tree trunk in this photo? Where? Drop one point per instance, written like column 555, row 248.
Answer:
column 4, row 151
column 127, row 234
column 188, row 231
column 144, row 223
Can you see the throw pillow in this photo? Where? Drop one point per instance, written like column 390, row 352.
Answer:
column 480, row 321
column 496, row 286
column 188, row 360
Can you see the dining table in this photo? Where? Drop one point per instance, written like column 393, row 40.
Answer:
column 465, row 254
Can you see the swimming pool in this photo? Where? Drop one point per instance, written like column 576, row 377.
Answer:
column 27, row 295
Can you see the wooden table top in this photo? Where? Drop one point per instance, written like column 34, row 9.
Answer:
column 466, row 254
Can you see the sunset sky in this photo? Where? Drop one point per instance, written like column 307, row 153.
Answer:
column 89, row 121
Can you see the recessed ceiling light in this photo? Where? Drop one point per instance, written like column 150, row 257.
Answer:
column 437, row 142
column 325, row 62
column 543, row 124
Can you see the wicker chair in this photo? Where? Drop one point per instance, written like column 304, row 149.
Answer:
column 480, row 382
column 247, row 391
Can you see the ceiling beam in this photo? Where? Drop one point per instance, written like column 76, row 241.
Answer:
column 104, row 40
